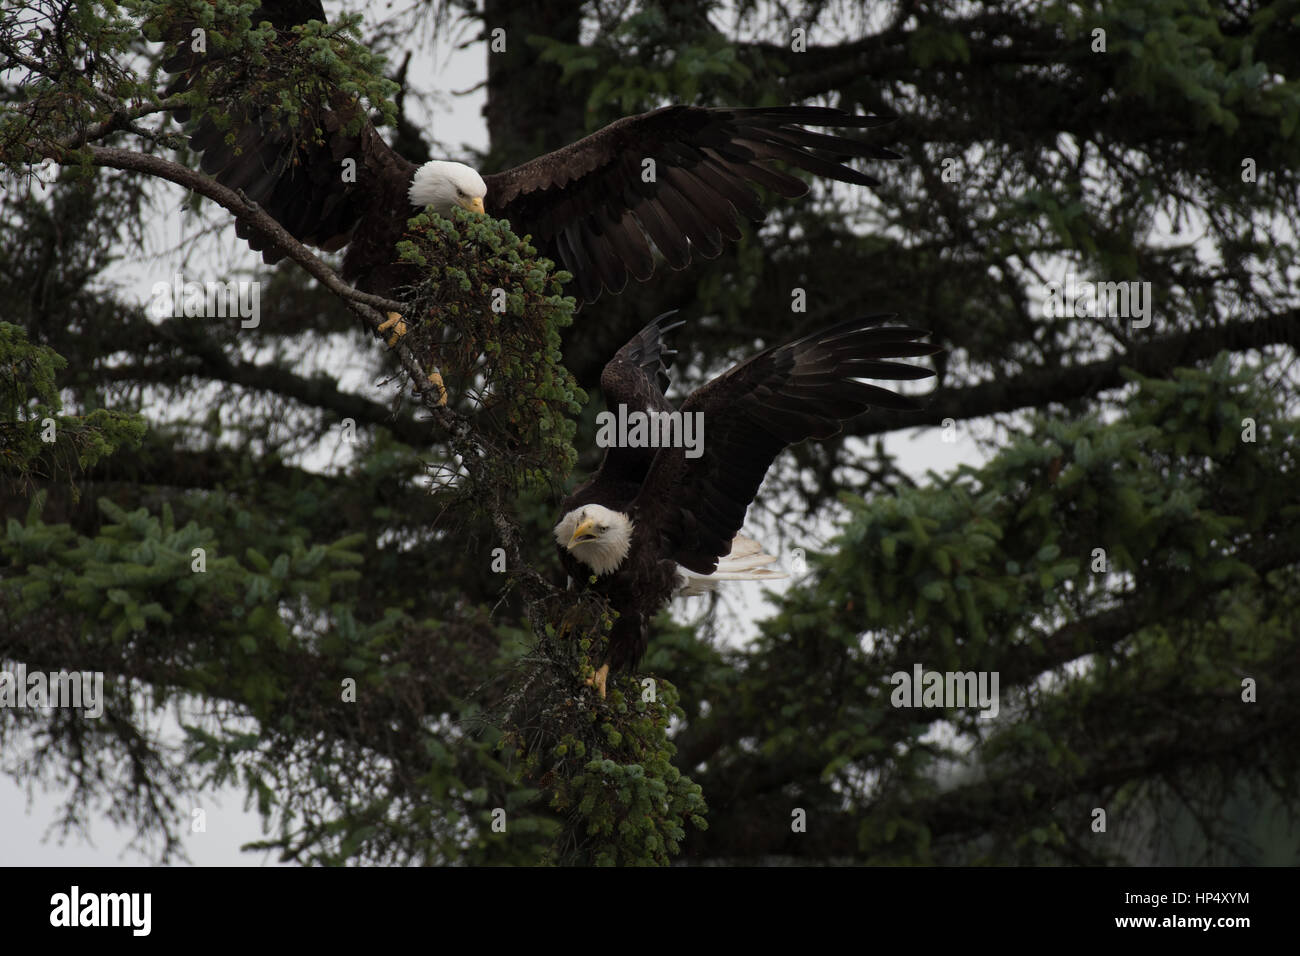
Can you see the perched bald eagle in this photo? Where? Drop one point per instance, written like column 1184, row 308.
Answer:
column 677, row 177
column 657, row 521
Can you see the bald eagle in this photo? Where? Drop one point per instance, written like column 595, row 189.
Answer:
column 676, row 177
column 657, row 521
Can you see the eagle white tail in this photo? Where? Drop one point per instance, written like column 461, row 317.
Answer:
column 745, row 562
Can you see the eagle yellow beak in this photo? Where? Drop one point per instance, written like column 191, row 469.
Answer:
column 584, row 532
column 473, row 204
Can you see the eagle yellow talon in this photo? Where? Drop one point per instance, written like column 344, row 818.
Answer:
column 435, row 378
column 396, row 323
column 597, row 680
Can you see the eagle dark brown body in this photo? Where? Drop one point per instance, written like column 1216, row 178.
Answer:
column 685, row 514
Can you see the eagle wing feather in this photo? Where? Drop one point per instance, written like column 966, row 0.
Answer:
column 705, row 160
column 782, row 396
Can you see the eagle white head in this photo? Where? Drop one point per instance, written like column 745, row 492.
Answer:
column 445, row 185
column 596, row 536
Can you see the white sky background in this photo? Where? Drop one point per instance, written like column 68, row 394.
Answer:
column 457, row 123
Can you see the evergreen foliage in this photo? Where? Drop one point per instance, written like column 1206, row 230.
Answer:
column 300, row 582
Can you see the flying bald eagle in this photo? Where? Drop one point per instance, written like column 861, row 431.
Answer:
column 588, row 206
column 657, row 521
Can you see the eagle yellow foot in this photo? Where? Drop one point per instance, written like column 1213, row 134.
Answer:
column 597, row 679
column 397, row 324
column 435, row 377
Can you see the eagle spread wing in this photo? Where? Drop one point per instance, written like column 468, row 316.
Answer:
column 679, row 176
column 293, row 175
column 779, row 397
column 636, row 378
column 637, row 375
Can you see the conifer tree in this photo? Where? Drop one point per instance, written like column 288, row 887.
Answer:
column 345, row 591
